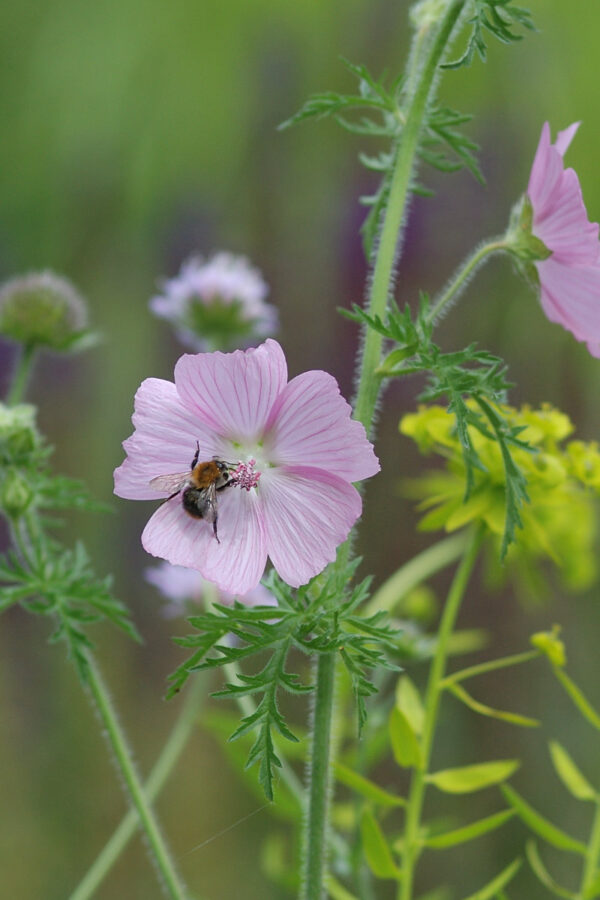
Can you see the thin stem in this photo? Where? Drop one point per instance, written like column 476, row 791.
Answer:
column 490, row 666
column 163, row 767
column 593, row 853
column 415, row 572
column 21, row 376
column 387, row 250
column 146, row 815
column 459, row 280
column 432, row 702
column 315, row 832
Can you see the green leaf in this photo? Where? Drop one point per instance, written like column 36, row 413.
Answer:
column 543, row 875
column 492, row 888
column 466, row 779
column 377, row 853
column 569, row 774
column 540, row 825
column 408, row 701
column 336, row 890
column 405, row 745
column 366, row 788
column 482, row 709
column 581, row 702
column 469, row 832
column 497, row 17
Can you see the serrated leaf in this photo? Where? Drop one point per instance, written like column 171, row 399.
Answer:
column 540, row 825
column 408, row 701
column 493, row 887
column 466, row 779
column 543, row 875
column 484, row 710
column 366, row 788
column 377, row 853
column 469, row 832
column 405, row 744
column 569, row 774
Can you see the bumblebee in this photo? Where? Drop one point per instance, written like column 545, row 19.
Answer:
column 198, row 487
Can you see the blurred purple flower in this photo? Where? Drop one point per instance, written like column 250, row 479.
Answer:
column 570, row 276
column 183, row 586
column 299, row 503
column 217, row 304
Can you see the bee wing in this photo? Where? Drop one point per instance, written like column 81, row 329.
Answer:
column 208, row 503
column 170, row 483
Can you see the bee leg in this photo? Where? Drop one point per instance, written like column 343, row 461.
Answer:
column 215, row 529
column 196, row 455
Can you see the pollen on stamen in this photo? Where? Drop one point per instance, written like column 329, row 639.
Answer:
column 244, row 475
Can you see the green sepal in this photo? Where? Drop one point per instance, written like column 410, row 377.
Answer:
column 493, row 887
column 542, row 874
column 466, row 779
column 540, row 825
column 484, row 710
column 405, row 745
column 569, row 774
column 377, row 852
column 469, row 832
column 366, row 788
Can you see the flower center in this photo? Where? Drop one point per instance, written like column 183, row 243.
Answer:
column 244, row 475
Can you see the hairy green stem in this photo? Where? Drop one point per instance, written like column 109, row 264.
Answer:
column 315, row 832
column 592, row 859
column 21, row 376
column 163, row 767
column 160, row 852
column 432, row 703
column 460, row 279
column 387, row 250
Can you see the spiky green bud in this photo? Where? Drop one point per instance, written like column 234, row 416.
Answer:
column 43, row 310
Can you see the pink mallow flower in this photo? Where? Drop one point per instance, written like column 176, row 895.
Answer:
column 293, row 452
column 185, row 588
column 570, row 276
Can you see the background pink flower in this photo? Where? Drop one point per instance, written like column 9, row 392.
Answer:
column 570, row 277
column 239, row 407
column 186, row 587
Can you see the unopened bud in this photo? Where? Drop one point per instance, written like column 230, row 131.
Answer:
column 18, row 433
column 42, row 309
column 15, row 493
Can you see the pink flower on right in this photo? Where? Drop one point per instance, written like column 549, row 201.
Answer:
column 570, row 277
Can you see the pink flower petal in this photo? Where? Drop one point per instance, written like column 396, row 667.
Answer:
column 564, row 138
column 233, row 393
column 570, row 295
column 307, row 513
column 236, row 564
column 164, row 440
column 310, row 425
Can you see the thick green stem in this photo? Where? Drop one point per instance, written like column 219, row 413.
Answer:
column 592, row 858
column 460, row 279
column 387, row 250
column 21, row 377
column 432, row 702
column 147, row 818
column 162, row 769
column 315, row 833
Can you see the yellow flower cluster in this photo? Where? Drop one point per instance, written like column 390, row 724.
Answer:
column 563, row 478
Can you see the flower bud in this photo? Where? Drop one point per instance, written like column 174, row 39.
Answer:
column 15, row 493
column 42, row 309
column 18, row 433
column 551, row 645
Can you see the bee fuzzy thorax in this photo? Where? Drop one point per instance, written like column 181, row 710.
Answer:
column 204, row 474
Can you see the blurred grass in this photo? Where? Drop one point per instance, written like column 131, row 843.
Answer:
column 136, row 132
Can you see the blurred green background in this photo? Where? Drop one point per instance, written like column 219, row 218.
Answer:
column 135, row 132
